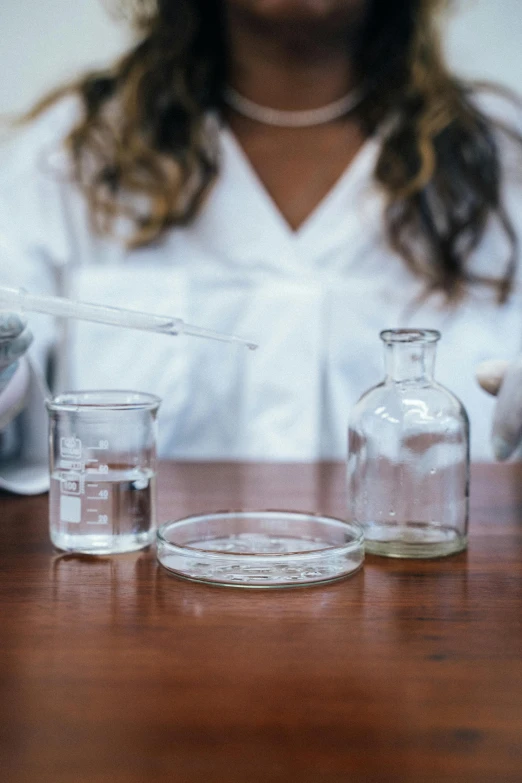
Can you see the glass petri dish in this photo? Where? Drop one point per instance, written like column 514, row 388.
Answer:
column 260, row 548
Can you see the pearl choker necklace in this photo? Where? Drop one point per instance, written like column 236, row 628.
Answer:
column 292, row 119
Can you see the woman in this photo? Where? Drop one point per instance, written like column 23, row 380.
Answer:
column 302, row 172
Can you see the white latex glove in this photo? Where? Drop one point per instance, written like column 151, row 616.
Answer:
column 15, row 339
column 504, row 379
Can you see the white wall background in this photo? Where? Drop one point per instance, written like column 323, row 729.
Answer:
column 44, row 42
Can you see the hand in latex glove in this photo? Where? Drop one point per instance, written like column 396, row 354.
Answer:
column 505, row 380
column 15, row 339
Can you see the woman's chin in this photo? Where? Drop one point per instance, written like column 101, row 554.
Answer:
column 300, row 10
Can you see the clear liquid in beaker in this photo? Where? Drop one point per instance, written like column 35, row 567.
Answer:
column 103, row 514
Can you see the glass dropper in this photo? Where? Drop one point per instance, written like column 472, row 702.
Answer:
column 20, row 300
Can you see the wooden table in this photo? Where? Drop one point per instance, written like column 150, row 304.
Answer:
column 114, row 670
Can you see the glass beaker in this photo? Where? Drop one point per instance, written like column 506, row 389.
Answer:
column 408, row 455
column 102, row 498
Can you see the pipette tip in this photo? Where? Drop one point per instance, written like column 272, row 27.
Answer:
column 198, row 331
column 241, row 340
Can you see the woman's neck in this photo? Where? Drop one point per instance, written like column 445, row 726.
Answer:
column 291, row 66
column 288, row 66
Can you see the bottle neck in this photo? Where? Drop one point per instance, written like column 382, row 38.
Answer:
column 409, row 361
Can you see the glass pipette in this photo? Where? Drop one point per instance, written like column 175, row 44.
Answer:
column 19, row 299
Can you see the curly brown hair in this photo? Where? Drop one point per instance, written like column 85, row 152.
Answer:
column 143, row 132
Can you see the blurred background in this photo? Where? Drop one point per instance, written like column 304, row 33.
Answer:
column 45, row 42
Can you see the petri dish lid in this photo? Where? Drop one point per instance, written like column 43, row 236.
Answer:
column 260, row 548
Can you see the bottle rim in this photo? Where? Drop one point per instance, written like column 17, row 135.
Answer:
column 390, row 336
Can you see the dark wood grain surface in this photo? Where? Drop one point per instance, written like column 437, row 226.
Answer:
column 113, row 670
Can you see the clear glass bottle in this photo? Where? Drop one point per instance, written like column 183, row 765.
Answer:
column 408, row 455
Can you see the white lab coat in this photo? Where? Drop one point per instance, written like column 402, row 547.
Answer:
column 315, row 301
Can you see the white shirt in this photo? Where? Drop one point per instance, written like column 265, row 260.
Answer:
column 314, row 299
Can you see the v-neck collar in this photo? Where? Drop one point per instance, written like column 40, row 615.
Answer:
column 240, row 219
column 348, row 179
